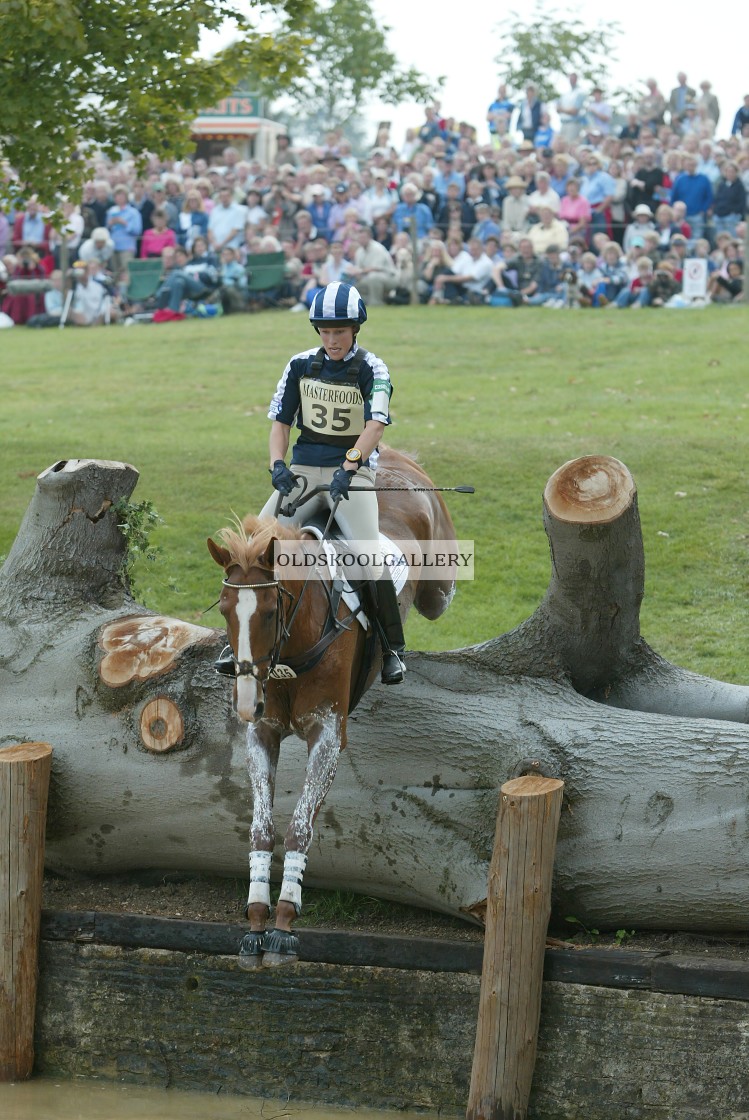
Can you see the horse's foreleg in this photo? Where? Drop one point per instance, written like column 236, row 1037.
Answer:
column 323, row 746
column 262, row 759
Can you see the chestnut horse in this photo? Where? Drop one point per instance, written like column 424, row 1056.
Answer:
column 271, row 620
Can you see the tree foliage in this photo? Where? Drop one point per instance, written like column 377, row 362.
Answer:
column 347, row 62
column 123, row 75
column 545, row 46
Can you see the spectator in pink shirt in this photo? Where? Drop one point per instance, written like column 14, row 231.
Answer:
column 158, row 238
column 574, row 210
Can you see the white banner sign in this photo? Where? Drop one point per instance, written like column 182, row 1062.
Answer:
column 694, row 283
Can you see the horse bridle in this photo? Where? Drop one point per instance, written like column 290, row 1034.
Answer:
column 334, row 627
column 252, row 668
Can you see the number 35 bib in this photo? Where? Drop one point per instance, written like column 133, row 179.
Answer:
column 332, row 411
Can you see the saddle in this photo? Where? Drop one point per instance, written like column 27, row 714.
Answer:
column 360, row 597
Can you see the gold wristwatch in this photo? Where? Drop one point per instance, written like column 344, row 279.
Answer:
column 354, row 455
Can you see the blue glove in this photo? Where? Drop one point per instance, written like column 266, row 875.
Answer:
column 340, row 483
column 282, row 477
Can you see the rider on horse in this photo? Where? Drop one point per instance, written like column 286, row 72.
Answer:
column 338, row 395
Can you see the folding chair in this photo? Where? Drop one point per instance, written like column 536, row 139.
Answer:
column 144, row 279
column 265, row 276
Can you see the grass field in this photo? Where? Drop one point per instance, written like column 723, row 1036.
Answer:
column 494, row 398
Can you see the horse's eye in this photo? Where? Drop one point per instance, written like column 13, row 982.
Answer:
column 268, row 616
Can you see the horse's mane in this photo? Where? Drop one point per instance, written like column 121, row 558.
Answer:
column 248, row 539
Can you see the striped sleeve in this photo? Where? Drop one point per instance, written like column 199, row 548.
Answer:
column 378, row 392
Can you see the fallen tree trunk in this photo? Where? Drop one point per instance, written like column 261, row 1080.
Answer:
column 149, row 761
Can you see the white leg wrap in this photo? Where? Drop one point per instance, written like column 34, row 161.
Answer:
column 293, row 872
column 260, row 878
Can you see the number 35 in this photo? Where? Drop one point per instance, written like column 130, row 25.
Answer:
column 339, row 422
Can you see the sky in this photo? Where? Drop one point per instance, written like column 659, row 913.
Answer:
column 655, row 42
column 441, row 38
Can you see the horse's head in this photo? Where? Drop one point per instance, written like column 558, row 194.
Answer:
column 252, row 605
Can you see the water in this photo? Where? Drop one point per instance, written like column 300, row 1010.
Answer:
column 52, row 1099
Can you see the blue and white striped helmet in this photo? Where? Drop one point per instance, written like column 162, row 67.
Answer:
column 337, row 305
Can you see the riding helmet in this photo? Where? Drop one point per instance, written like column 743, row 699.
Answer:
column 338, row 305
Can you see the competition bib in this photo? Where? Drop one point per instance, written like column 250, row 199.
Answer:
column 332, row 411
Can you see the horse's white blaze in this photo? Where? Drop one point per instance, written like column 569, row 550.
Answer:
column 247, row 688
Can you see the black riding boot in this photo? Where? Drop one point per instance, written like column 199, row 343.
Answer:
column 390, row 630
column 225, row 664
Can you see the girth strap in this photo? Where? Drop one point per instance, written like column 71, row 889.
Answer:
column 311, row 657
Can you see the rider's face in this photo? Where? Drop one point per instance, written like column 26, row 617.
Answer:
column 337, row 341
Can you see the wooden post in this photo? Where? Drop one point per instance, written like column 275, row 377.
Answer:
column 415, row 259
column 518, row 908
column 24, row 783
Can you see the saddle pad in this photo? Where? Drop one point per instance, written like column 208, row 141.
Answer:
column 398, row 567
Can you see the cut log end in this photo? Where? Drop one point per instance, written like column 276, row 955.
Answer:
column 592, row 490
column 25, row 752
column 70, row 467
column 531, row 785
column 161, row 725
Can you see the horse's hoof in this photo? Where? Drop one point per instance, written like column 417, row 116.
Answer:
column 280, row 947
column 251, row 950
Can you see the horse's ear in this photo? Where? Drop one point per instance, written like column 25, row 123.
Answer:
column 267, row 558
column 222, row 556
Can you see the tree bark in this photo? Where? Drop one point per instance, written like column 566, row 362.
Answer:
column 24, row 784
column 149, row 768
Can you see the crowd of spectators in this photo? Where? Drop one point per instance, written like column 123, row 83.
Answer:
column 563, row 205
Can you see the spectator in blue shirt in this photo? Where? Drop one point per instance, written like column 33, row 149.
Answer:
column 544, row 133
column 125, row 226
column 485, row 226
column 320, row 208
column 597, row 187
column 409, row 208
column 431, row 129
column 445, row 175
column 695, row 191
column 742, row 118
column 500, row 110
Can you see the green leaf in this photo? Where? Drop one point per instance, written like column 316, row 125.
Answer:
column 547, row 45
column 122, row 74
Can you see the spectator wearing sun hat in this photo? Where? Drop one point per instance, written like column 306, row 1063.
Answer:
column 320, row 208
column 515, row 205
column 642, row 220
